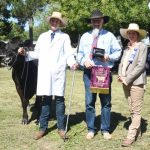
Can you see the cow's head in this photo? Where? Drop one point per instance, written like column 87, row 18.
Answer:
column 12, row 50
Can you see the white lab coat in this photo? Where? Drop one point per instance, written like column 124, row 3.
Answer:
column 53, row 58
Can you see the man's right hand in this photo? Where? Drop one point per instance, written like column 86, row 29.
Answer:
column 88, row 64
column 21, row 51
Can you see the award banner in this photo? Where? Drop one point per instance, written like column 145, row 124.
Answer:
column 100, row 79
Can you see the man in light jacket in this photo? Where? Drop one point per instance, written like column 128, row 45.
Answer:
column 100, row 38
column 53, row 51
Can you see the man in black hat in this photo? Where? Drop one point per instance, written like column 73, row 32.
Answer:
column 104, row 40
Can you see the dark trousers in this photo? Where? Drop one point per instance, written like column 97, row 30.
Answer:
column 46, row 109
column 90, row 99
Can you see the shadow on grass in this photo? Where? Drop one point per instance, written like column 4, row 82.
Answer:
column 36, row 109
column 77, row 118
column 73, row 118
column 116, row 118
column 143, row 125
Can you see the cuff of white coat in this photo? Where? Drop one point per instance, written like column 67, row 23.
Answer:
column 110, row 58
column 82, row 62
column 71, row 62
column 26, row 56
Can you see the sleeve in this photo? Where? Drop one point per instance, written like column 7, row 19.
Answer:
column 69, row 52
column 84, row 51
column 115, row 50
column 31, row 55
column 140, row 66
column 120, row 65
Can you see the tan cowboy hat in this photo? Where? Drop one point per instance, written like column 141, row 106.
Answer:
column 133, row 27
column 57, row 15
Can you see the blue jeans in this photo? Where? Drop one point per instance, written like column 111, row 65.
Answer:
column 45, row 112
column 90, row 99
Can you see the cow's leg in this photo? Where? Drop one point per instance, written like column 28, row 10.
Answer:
column 24, row 103
column 38, row 105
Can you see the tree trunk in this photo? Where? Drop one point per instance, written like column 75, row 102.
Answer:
column 31, row 29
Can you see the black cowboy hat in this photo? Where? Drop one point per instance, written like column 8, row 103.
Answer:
column 98, row 14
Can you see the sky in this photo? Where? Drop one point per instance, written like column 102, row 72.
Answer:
column 36, row 23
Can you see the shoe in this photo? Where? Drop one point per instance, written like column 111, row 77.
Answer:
column 127, row 142
column 62, row 134
column 39, row 135
column 106, row 135
column 90, row 135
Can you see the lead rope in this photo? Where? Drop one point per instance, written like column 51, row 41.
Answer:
column 26, row 76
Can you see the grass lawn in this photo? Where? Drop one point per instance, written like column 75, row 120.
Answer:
column 15, row 136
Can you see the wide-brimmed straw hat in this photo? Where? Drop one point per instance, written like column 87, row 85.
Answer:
column 98, row 14
column 133, row 27
column 57, row 15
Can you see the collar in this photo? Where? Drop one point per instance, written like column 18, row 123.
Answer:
column 57, row 31
column 133, row 45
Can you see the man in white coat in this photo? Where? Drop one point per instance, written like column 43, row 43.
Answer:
column 53, row 51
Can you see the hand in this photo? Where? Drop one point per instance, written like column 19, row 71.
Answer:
column 122, row 80
column 74, row 66
column 21, row 51
column 104, row 59
column 88, row 64
column 119, row 79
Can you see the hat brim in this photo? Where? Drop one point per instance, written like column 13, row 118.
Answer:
column 106, row 19
column 62, row 22
column 142, row 33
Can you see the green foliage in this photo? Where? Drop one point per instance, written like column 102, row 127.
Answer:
column 17, row 31
column 121, row 14
column 5, row 24
column 23, row 11
column 124, row 12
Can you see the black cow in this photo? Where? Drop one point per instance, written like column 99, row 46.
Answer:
column 24, row 74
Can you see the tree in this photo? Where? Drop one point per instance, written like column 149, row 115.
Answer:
column 17, row 32
column 5, row 24
column 121, row 14
column 24, row 11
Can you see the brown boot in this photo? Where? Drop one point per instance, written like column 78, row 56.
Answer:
column 61, row 133
column 127, row 142
column 39, row 135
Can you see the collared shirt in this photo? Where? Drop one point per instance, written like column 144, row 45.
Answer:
column 105, row 41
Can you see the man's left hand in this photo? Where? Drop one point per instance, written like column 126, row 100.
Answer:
column 105, row 58
column 122, row 79
column 75, row 66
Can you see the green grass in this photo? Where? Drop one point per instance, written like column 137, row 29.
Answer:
column 15, row 136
